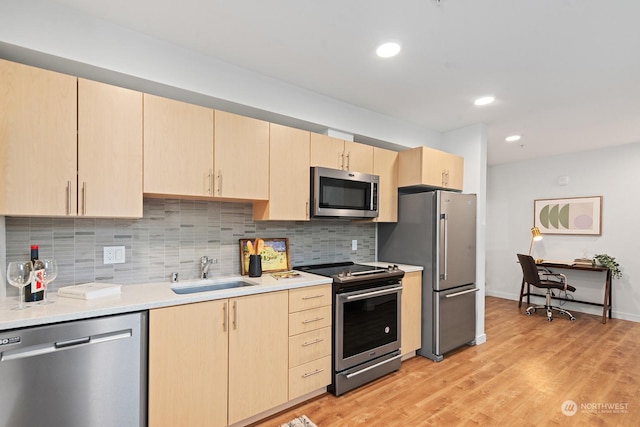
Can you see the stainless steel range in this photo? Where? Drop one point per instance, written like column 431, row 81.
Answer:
column 366, row 322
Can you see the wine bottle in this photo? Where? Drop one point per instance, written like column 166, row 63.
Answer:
column 34, row 291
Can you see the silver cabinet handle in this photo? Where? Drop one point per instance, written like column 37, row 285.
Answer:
column 308, row 343
column 219, row 191
column 308, row 374
column 68, row 197
column 313, row 296
column 84, row 198
column 235, row 315
column 210, row 190
column 341, row 160
column 368, row 368
column 312, row 320
column 348, row 161
column 224, row 317
column 457, row 294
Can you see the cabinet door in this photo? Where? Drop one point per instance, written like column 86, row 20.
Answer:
column 411, row 313
column 358, row 157
column 178, row 148
column 258, row 353
column 188, row 357
column 241, row 157
column 454, row 171
column 430, row 167
column 385, row 165
column 288, row 176
column 109, row 150
column 38, row 122
column 326, row 151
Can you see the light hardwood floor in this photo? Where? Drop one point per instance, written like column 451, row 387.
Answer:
column 521, row 376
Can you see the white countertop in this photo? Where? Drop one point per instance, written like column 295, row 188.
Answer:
column 148, row 296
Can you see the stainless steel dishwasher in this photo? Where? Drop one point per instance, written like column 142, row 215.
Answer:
column 75, row 374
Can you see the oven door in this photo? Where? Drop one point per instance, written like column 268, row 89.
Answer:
column 367, row 325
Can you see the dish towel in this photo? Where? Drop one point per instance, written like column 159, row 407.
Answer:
column 301, row 421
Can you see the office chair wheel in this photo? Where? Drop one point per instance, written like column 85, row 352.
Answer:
column 549, row 319
column 528, row 313
column 572, row 318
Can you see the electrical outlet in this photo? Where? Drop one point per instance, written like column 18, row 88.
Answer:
column 114, row 255
column 354, row 245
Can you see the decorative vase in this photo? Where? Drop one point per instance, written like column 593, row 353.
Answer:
column 255, row 265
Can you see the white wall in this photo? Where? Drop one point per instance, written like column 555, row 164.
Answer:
column 612, row 173
column 32, row 27
column 471, row 143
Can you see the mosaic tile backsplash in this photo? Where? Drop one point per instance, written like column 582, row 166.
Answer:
column 172, row 236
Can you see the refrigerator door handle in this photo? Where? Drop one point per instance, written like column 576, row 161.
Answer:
column 444, row 228
column 457, row 294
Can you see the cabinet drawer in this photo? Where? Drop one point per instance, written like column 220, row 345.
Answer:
column 309, row 377
column 309, row 346
column 309, row 320
column 310, row 297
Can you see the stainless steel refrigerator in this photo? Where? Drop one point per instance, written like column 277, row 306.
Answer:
column 437, row 230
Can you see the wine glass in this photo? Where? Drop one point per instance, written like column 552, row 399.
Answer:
column 49, row 273
column 20, row 274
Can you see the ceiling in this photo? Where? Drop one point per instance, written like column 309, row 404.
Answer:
column 565, row 73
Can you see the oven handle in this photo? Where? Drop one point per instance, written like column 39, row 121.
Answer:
column 368, row 368
column 374, row 293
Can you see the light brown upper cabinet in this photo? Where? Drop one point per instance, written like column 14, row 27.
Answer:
column 241, row 157
column 109, row 150
column 70, row 146
column 330, row 152
column 288, row 178
column 424, row 166
column 385, row 165
column 37, row 141
column 178, row 148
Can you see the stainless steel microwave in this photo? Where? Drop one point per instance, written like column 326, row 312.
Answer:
column 343, row 194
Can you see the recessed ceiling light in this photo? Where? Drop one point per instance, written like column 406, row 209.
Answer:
column 387, row 50
column 512, row 138
column 485, row 100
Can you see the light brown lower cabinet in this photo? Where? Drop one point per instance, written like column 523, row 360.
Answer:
column 188, row 354
column 218, row 362
column 309, row 339
column 411, row 312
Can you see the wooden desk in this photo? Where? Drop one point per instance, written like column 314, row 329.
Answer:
column 606, row 304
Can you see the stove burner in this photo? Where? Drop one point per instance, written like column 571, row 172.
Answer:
column 348, row 274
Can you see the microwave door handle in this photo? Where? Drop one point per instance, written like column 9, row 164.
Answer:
column 371, row 197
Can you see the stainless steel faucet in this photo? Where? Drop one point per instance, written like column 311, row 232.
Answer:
column 205, row 262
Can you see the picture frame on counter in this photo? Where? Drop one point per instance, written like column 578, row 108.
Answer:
column 274, row 254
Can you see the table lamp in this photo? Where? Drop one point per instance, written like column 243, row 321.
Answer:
column 535, row 236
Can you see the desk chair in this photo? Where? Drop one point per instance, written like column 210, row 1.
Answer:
column 544, row 280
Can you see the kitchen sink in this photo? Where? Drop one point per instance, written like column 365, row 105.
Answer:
column 209, row 285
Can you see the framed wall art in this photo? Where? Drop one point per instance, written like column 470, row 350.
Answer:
column 274, row 252
column 575, row 215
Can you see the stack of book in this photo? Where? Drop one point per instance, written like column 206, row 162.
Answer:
column 586, row 262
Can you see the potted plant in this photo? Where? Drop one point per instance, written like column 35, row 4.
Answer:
column 609, row 262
